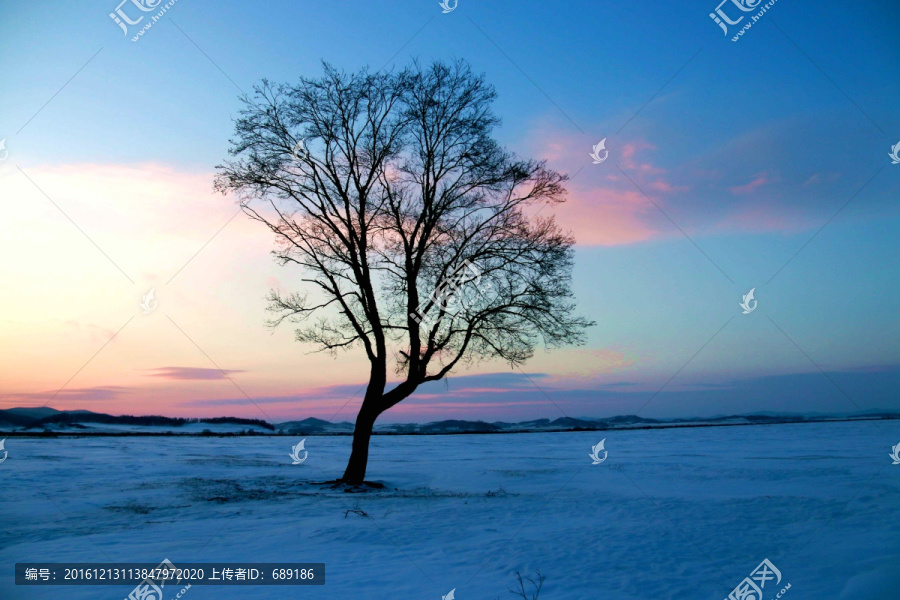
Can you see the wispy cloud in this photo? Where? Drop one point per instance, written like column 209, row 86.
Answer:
column 604, row 208
column 69, row 396
column 191, row 373
column 757, row 182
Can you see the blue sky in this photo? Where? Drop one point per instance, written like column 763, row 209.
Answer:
column 726, row 159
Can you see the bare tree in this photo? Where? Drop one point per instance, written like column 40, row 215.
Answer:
column 390, row 194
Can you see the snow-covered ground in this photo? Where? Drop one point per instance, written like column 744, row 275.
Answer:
column 678, row 513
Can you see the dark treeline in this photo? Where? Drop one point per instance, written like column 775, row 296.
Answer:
column 66, row 418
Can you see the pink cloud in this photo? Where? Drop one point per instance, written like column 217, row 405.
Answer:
column 819, row 178
column 459, row 410
column 608, row 211
column 191, row 373
column 605, row 209
column 579, row 365
column 68, row 397
column 97, row 334
column 601, row 216
column 760, row 180
column 465, row 392
column 628, row 155
column 664, row 186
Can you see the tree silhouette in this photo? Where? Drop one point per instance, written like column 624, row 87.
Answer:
column 409, row 225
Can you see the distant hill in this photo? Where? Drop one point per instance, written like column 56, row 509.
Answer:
column 49, row 421
column 22, row 417
column 312, row 426
column 454, row 426
column 35, row 413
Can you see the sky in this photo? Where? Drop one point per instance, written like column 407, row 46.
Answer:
column 761, row 163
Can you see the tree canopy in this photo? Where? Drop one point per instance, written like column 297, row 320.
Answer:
column 417, row 236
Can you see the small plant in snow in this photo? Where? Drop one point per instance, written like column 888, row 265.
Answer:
column 536, row 584
column 356, row 510
column 499, row 493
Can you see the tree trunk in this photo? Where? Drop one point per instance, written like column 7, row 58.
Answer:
column 355, row 474
column 374, row 403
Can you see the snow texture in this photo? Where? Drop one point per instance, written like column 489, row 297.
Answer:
column 677, row 513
